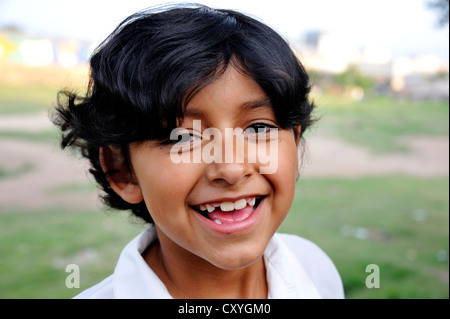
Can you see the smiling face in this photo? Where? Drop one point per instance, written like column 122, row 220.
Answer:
column 223, row 212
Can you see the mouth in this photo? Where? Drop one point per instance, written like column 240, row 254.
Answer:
column 229, row 212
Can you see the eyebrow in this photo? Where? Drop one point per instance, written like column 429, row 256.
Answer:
column 262, row 102
column 247, row 106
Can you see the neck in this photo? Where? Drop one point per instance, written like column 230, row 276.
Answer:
column 188, row 276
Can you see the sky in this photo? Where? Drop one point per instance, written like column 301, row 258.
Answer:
column 407, row 27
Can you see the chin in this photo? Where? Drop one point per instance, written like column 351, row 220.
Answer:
column 238, row 257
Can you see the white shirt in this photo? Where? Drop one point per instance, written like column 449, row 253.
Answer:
column 295, row 268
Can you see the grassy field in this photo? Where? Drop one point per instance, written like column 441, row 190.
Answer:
column 378, row 122
column 16, row 99
column 399, row 223
column 38, row 245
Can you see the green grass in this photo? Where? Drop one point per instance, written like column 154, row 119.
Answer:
column 400, row 224
column 48, row 136
column 16, row 171
column 377, row 123
column 38, row 245
column 83, row 188
column 397, row 223
column 380, row 123
column 25, row 99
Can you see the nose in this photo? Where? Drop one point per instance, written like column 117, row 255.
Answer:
column 233, row 166
column 228, row 173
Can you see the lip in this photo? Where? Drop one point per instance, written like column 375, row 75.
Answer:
column 236, row 227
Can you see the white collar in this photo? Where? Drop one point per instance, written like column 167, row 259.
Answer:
column 286, row 277
column 134, row 279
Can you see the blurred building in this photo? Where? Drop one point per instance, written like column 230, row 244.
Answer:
column 425, row 76
column 326, row 52
column 16, row 47
column 418, row 77
column 323, row 52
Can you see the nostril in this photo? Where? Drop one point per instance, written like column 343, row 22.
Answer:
column 230, row 173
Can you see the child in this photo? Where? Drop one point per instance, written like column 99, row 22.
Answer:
column 192, row 121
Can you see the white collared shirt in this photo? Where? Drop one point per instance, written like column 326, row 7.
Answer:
column 295, row 268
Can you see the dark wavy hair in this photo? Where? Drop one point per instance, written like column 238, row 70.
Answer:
column 143, row 75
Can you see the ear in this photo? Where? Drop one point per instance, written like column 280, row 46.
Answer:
column 297, row 134
column 119, row 176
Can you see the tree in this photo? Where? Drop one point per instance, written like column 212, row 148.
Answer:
column 442, row 7
column 352, row 77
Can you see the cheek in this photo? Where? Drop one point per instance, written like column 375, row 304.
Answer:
column 166, row 186
column 284, row 179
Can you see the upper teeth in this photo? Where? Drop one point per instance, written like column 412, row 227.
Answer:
column 229, row 206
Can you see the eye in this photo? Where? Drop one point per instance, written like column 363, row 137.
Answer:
column 259, row 129
column 182, row 136
column 188, row 137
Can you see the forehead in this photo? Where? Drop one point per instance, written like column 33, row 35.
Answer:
column 232, row 91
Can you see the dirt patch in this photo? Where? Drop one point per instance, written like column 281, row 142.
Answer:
column 428, row 157
column 52, row 168
column 25, row 123
column 37, row 187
